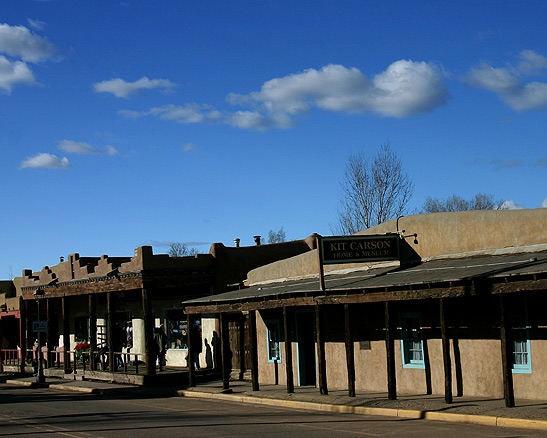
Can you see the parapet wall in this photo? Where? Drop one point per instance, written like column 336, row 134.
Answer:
column 81, row 268
column 464, row 232
column 453, row 234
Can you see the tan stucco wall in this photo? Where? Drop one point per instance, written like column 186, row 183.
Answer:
column 370, row 367
column 467, row 231
column 475, row 356
column 527, row 386
column 266, row 370
column 438, row 234
column 481, row 367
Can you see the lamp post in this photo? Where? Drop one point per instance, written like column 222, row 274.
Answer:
column 38, row 293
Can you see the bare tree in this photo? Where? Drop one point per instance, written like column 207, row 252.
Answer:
column 480, row 201
column 374, row 191
column 178, row 249
column 277, row 236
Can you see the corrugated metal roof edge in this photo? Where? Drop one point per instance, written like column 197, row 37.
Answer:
column 500, row 251
column 226, row 298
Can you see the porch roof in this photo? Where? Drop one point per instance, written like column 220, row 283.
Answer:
column 454, row 276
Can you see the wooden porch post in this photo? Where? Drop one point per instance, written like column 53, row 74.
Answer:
column 1, row 355
column 446, row 354
column 110, row 312
column 226, row 354
column 149, row 358
column 49, row 335
column 254, row 350
column 46, row 363
column 390, row 356
column 66, row 336
column 241, row 353
column 191, row 348
column 505, row 357
column 22, row 333
column 92, row 330
column 323, row 388
column 350, row 360
column 288, row 350
column 30, row 335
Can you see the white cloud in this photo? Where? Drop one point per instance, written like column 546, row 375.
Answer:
column 187, row 147
column 111, row 150
column 120, row 88
column 510, row 205
column 188, row 113
column 36, row 24
column 505, row 83
column 130, row 114
column 405, row 89
column 13, row 73
column 74, row 147
column 18, row 41
column 45, row 161
column 544, row 203
column 531, row 63
column 195, row 113
column 249, row 120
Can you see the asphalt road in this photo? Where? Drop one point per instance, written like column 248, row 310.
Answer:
column 47, row 413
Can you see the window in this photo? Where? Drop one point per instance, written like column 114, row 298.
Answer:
column 412, row 347
column 81, row 329
column 274, row 336
column 177, row 330
column 521, row 345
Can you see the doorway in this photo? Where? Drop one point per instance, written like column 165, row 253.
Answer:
column 305, row 347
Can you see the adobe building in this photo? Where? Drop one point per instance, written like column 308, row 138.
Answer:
column 97, row 311
column 12, row 328
column 458, row 309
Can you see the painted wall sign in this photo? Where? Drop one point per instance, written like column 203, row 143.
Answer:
column 357, row 249
column 39, row 326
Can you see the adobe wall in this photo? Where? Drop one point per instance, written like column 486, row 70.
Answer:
column 441, row 234
column 8, row 296
column 475, row 349
column 233, row 263
column 437, row 234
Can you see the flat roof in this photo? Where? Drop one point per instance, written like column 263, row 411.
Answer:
column 443, row 272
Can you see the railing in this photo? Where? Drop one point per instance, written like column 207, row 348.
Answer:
column 10, row 357
column 124, row 362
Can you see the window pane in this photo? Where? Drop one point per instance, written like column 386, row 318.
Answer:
column 273, row 340
column 177, row 326
column 411, row 340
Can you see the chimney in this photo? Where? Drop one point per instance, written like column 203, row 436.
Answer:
column 257, row 240
column 236, row 241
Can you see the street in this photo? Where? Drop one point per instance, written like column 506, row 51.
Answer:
column 43, row 412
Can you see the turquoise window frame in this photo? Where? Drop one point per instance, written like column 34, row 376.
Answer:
column 406, row 340
column 273, row 326
column 520, row 325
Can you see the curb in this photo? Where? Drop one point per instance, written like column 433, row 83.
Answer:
column 485, row 420
column 26, row 383
column 76, row 389
column 63, row 387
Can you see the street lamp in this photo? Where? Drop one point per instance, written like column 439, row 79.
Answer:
column 38, row 293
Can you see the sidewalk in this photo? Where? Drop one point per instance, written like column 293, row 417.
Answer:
column 527, row 414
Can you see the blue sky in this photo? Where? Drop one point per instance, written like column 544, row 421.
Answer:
column 129, row 123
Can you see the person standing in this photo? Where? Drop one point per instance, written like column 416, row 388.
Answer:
column 196, row 344
column 160, row 341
